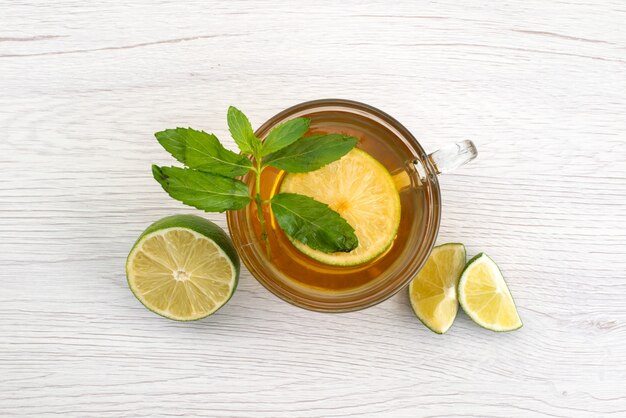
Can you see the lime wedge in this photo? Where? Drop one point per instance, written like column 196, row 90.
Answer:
column 485, row 297
column 363, row 192
column 433, row 291
column 183, row 267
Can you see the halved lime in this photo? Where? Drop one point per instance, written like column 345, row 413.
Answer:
column 363, row 192
column 433, row 291
column 183, row 267
column 485, row 297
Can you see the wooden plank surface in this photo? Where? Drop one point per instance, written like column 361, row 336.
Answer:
column 539, row 86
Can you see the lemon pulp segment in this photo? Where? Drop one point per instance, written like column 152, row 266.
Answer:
column 180, row 274
column 433, row 291
column 485, row 297
column 363, row 192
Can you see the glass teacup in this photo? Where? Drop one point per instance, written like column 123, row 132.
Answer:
column 306, row 283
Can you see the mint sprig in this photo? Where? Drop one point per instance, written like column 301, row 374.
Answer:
column 285, row 134
column 209, row 184
column 206, row 191
column 313, row 223
column 311, row 153
column 204, row 152
column 241, row 131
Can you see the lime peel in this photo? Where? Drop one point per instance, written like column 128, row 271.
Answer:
column 183, row 267
column 485, row 296
column 433, row 293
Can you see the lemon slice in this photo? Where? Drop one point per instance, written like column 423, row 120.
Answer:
column 183, row 267
column 433, row 291
column 361, row 190
column 485, row 297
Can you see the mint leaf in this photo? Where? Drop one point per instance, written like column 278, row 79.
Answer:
column 285, row 134
column 202, row 151
column 242, row 133
column 205, row 153
column 174, row 142
column 311, row 152
column 206, row 191
column 313, row 223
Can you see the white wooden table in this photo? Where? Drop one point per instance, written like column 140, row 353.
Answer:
column 539, row 86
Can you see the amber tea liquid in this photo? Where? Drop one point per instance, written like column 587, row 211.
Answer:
column 381, row 144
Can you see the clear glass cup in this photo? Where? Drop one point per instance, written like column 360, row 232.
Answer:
column 415, row 174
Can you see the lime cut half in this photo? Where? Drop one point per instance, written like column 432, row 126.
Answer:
column 183, row 267
column 363, row 192
column 485, row 297
column 433, row 291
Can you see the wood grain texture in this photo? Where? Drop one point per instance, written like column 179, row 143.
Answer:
column 539, row 86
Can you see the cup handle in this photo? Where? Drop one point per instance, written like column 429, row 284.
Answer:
column 453, row 156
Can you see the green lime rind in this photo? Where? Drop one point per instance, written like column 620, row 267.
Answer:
column 467, row 311
column 424, row 321
column 203, row 227
column 432, row 328
column 200, row 225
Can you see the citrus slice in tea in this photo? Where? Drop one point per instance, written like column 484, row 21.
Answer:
column 362, row 191
column 183, row 267
column 433, row 291
column 485, row 297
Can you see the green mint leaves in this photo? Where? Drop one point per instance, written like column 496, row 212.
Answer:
column 285, row 134
column 206, row 191
column 311, row 153
column 202, row 151
column 208, row 182
column 313, row 223
column 241, row 131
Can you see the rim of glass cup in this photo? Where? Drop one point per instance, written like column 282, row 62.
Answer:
column 381, row 291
